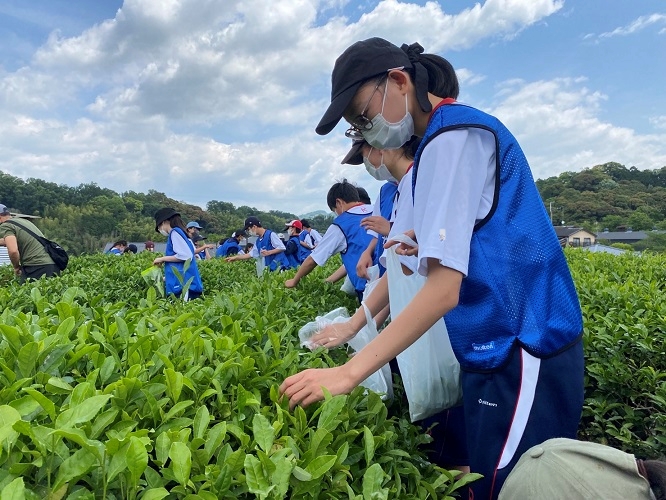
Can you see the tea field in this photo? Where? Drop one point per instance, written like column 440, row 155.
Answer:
column 109, row 391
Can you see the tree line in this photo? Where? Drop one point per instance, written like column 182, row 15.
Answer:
column 84, row 218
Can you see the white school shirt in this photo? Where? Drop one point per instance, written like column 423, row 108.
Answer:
column 316, row 236
column 334, row 240
column 455, row 187
column 180, row 246
column 402, row 219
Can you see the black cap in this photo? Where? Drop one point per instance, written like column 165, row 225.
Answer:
column 355, row 154
column 131, row 248
column 356, row 65
column 198, row 237
column 163, row 214
column 239, row 233
column 252, row 221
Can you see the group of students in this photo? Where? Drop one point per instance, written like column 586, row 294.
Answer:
column 275, row 253
column 459, row 185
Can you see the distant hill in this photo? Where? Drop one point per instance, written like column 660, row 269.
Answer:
column 312, row 215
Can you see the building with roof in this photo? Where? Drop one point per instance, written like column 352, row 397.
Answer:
column 627, row 236
column 4, row 256
column 570, row 236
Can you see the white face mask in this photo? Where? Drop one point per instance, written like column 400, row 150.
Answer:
column 164, row 232
column 386, row 135
column 380, row 173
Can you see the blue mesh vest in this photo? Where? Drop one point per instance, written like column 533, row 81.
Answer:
column 229, row 247
column 386, row 198
column 518, row 288
column 303, row 252
column 292, row 259
column 274, row 262
column 173, row 283
column 357, row 241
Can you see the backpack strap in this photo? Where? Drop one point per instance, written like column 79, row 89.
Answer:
column 41, row 239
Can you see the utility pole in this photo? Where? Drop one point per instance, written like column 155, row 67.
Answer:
column 551, row 213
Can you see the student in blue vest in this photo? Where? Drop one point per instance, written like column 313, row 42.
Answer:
column 231, row 246
column 180, row 264
column 345, row 235
column 202, row 249
column 305, row 241
column 293, row 245
column 268, row 246
column 118, row 248
column 377, row 224
column 494, row 266
column 315, row 236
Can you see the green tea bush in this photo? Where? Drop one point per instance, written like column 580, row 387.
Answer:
column 109, row 391
column 624, row 310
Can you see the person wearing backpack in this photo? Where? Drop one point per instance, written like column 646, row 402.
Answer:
column 26, row 253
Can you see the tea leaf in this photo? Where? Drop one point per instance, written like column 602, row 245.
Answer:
column 263, row 432
column 181, row 462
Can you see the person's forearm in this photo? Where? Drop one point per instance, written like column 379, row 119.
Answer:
column 305, row 268
column 337, row 275
column 438, row 296
column 170, row 258
column 15, row 259
column 243, row 256
column 381, row 317
column 376, row 302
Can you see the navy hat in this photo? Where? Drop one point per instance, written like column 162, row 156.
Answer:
column 194, row 224
column 239, row 233
column 131, row 248
column 361, row 62
column 355, row 154
column 198, row 237
column 252, row 221
column 163, row 214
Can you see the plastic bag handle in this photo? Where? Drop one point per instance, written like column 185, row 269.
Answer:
column 370, row 321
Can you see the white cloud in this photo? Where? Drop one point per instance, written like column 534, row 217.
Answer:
column 557, row 125
column 659, row 122
column 636, row 25
column 206, row 100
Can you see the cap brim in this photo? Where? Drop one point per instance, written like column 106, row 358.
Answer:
column 336, row 109
column 355, row 154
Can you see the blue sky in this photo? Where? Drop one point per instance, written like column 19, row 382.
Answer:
column 204, row 99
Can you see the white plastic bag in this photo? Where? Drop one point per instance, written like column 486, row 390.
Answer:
column 261, row 265
column 348, row 287
column 338, row 315
column 429, row 369
column 373, row 275
column 380, row 381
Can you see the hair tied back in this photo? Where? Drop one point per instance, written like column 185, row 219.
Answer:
column 413, row 51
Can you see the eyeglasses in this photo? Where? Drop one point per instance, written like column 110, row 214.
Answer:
column 362, row 122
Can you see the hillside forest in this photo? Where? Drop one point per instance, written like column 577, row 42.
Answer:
column 84, row 218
